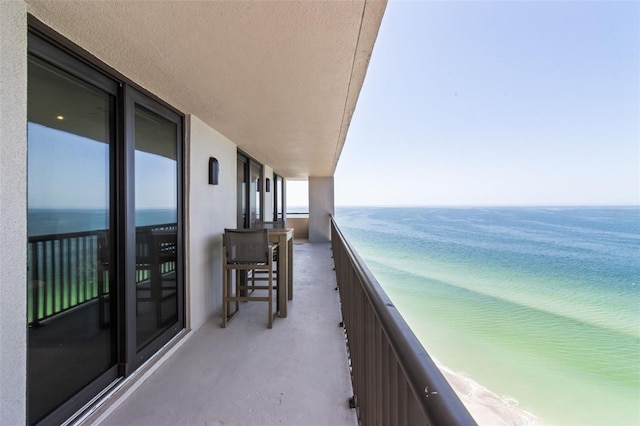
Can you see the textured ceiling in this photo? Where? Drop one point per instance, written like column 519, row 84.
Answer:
column 279, row 79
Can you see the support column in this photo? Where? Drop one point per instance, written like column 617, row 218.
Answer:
column 321, row 207
column 13, row 212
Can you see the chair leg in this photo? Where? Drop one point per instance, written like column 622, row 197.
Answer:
column 225, row 292
column 239, row 278
column 270, row 323
column 227, row 286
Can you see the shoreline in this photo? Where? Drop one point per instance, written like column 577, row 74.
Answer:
column 486, row 407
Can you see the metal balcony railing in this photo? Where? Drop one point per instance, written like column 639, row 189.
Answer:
column 67, row 270
column 395, row 382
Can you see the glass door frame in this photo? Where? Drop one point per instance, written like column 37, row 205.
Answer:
column 248, row 163
column 133, row 97
column 43, row 50
column 54, row 49
column 279, row 198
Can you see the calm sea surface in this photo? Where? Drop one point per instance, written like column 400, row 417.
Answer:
column 61, row 221
column 539, row 305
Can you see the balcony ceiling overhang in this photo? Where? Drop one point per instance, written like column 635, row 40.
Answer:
column 279, row 79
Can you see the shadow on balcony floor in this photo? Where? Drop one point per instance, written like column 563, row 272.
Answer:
column 246, row 374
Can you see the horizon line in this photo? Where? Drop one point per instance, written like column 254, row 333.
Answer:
column 487, row 205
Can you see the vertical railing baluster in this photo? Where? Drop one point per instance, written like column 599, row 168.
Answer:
column 55, row 279
column 356, row 333
column 94, row 270
column 394, row 417
column 35, row 282
column 85, row 271
column 83, row 275
column 362, row 360
column 387, row 383
column 90, row 267
column 77, row 270
column 369, row 356
column 46, row 281
column 54, row 286
column 69, row 274
column 61, row 284
column 414, row 413
column 366, row 406
column 379, row 372
column 403, row 393
column 60, row 276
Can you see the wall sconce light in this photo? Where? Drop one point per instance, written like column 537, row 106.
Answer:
column 214, row 171
column 268, row 185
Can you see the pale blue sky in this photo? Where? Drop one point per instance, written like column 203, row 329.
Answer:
column 71, row 171
column 498, row 103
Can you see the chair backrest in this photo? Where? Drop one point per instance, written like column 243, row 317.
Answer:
column 267, row 225
column 246, row 245
column 164, row 243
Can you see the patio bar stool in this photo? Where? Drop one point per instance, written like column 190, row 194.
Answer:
column 246, row 250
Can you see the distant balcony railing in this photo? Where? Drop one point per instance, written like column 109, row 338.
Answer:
column 395, row 382
column 65, row 271
column 297, row 214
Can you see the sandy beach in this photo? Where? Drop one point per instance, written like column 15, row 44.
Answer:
column 487, row 408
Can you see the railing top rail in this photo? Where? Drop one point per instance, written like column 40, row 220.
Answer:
column 63, row 236
column 79, row 234
column 437, row 399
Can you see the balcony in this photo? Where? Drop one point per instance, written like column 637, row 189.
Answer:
column 299, row 372
column 296, row 373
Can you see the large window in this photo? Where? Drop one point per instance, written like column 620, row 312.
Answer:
column 279, row 212
column 255, row 192
column 250, row 191
column 104, row 271
column 297, row 198
column 242, row 171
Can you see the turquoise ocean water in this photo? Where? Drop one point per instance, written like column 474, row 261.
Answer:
column 61, row 221
column 539, row 305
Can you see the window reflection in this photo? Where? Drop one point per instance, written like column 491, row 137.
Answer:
column 156, row 201
column 72, row 332
column 255, row 192
column 279, row 198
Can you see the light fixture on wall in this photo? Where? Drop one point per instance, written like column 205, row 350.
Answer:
column 268, row 185
column 214, row 171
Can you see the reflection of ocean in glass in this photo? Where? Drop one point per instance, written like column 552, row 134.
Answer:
column 539, row 305
column 62, row 221
column 72, row 332
column 156, row 179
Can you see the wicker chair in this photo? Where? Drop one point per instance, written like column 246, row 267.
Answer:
column 246, row 250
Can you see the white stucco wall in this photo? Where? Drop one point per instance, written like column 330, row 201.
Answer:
column 13, row 218
column 211, row 208
column 321, row 207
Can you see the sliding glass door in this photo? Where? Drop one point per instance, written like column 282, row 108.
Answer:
column 255, row 192
column 242, row 189
column 105, row 265
column 250, row 191
column 278, row 198
column 158, row 296
column 72, row 325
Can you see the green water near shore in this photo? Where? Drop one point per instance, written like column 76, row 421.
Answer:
column 557, row 335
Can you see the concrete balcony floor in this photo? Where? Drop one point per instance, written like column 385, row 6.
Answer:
column 246, row 374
